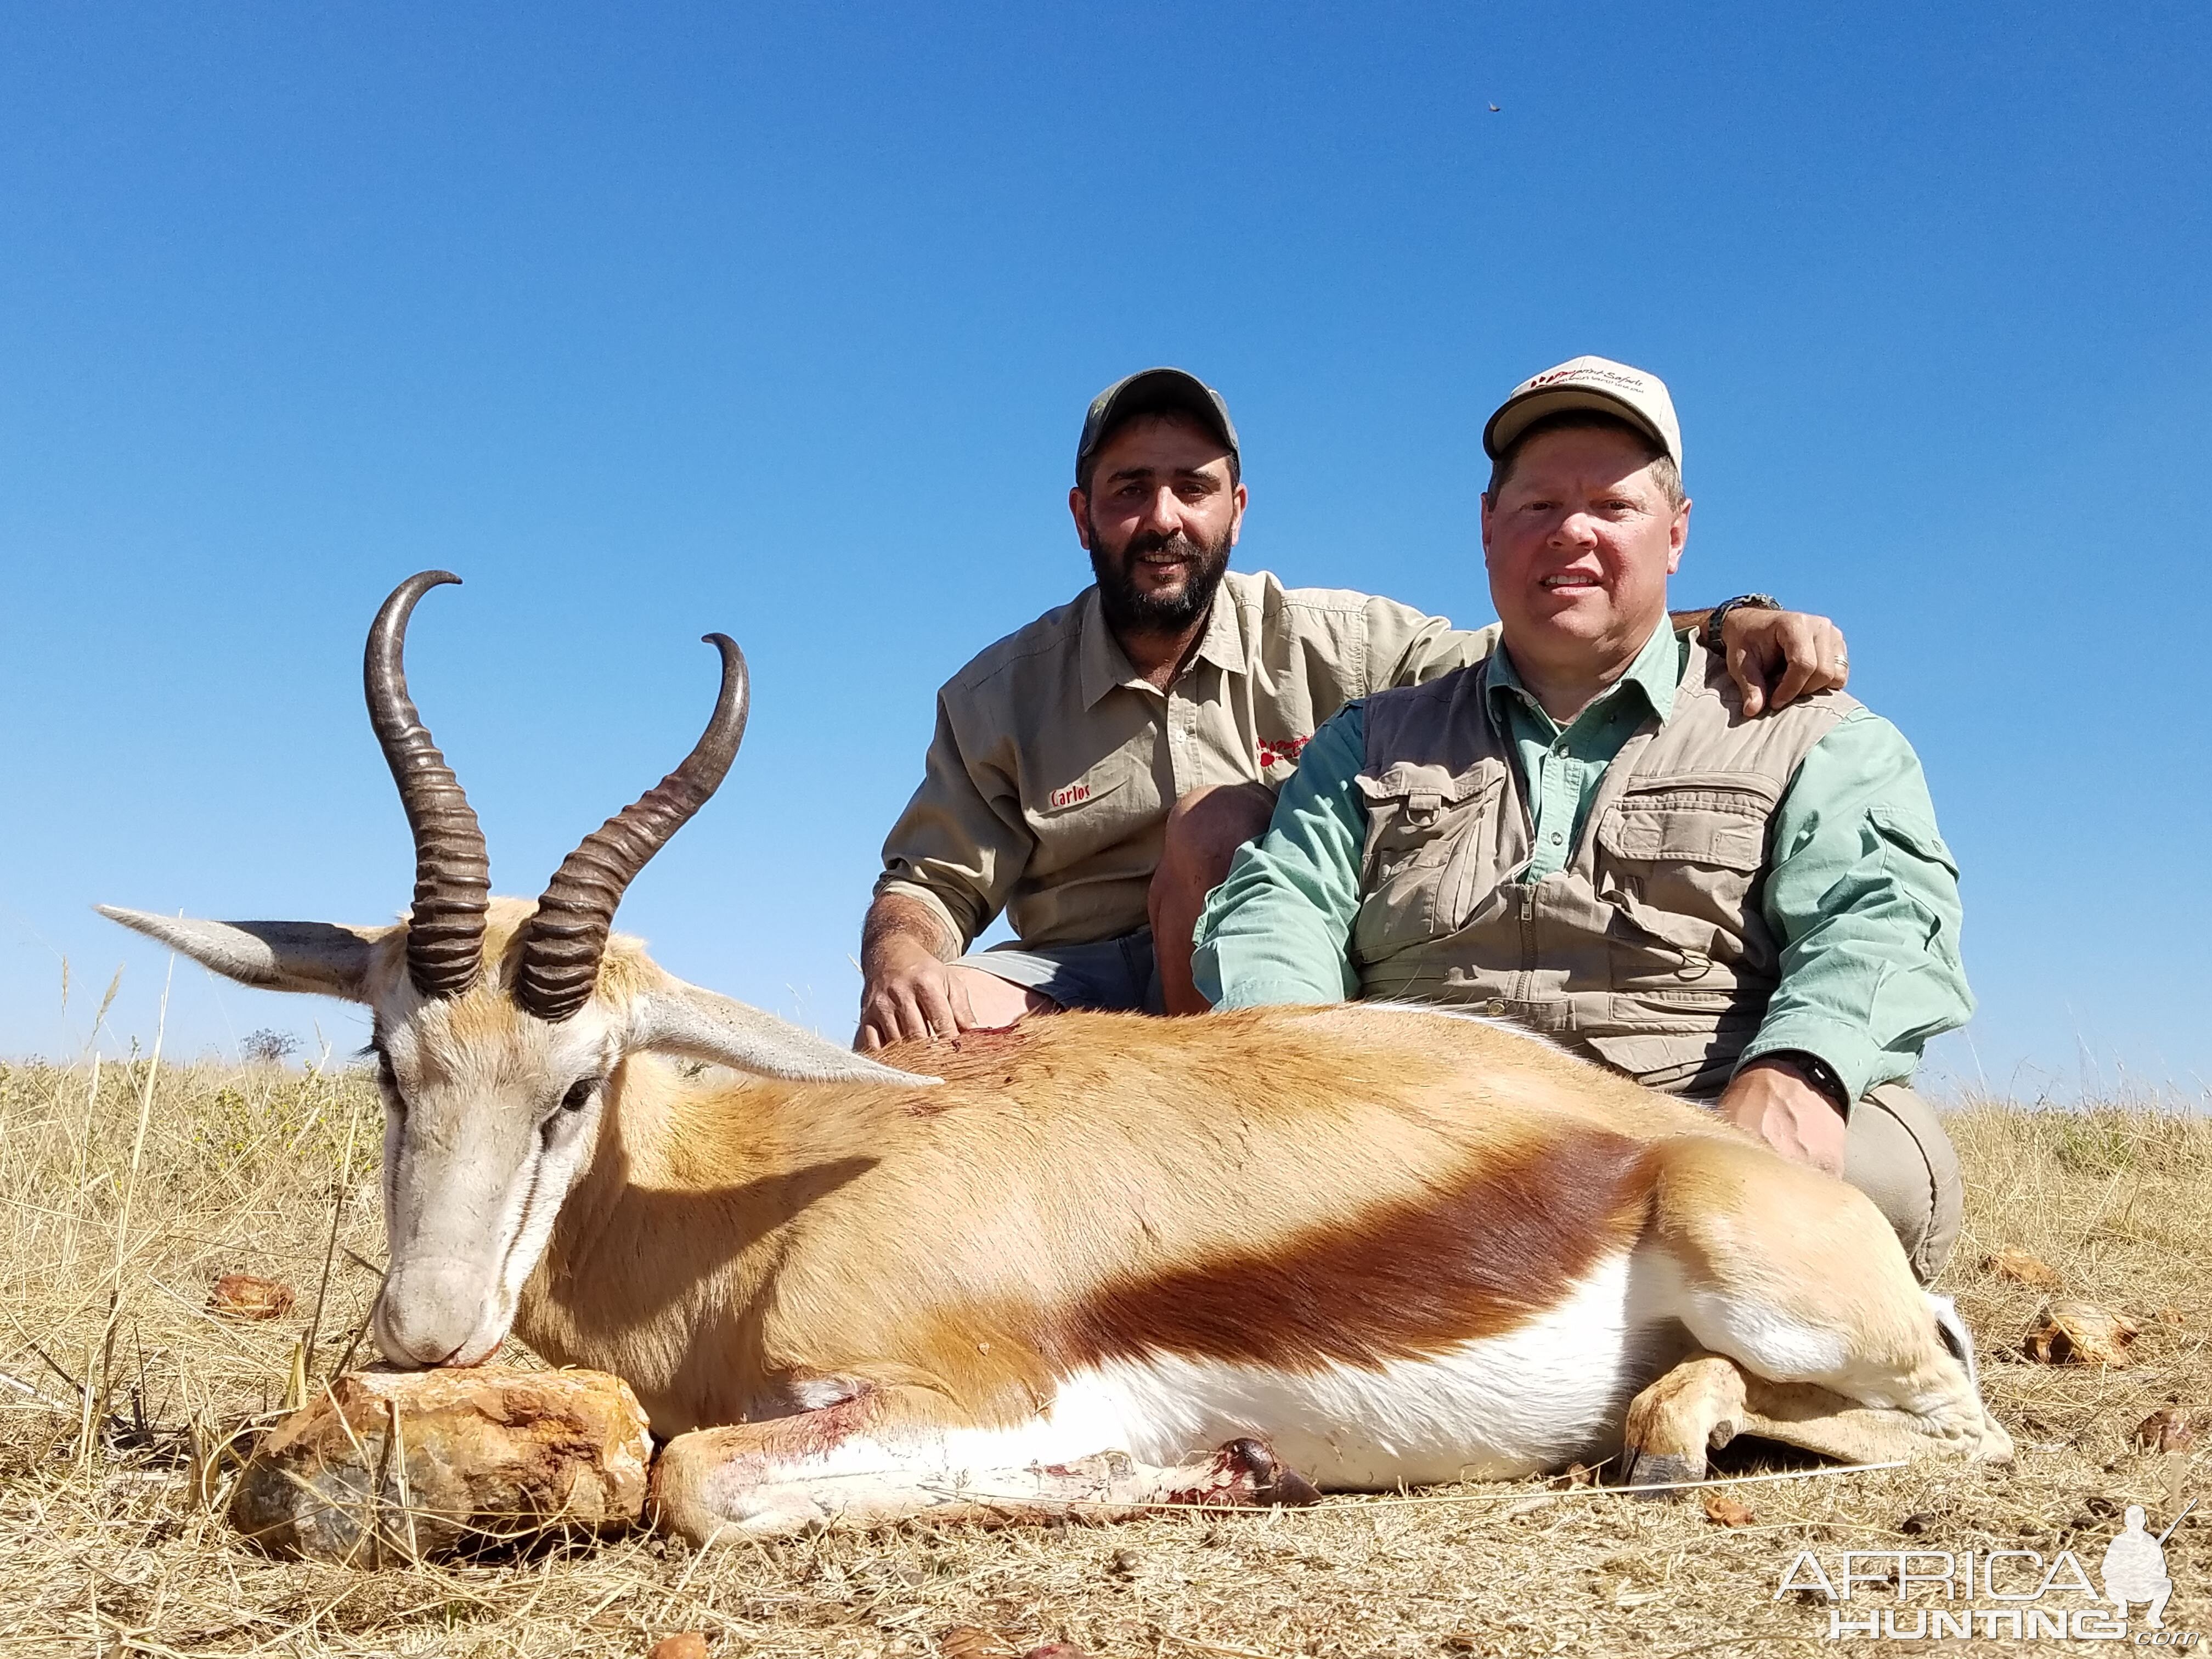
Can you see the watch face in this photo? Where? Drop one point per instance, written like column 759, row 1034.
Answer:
column 1822, row 1076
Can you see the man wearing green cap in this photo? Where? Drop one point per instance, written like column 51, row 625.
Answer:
column 1092, row 773
column 1584, row 832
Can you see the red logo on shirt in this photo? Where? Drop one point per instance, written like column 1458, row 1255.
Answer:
column 1284, row 753
column 1073, row 793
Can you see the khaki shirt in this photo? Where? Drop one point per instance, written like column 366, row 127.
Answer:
column 1055, row 763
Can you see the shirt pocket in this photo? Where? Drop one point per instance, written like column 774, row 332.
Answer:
column 1912, row 832
column 1074, row 818
column 1679, row 859
column 1432, row 837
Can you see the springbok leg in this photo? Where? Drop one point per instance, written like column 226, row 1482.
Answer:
column 1818, row 1419
column 1698, row 1405
column 1743, row 1253
column 878, row 1458
column 1708, row 1400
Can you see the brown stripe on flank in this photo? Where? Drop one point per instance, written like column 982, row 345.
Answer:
column 1401, row 1281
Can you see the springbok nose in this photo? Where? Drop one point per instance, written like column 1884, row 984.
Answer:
column 429, row 1311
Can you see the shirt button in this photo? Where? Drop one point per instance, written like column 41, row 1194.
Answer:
column 1556, row 838
column 1495, row 1005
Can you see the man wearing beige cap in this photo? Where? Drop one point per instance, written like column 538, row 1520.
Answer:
column 1584, row 833
column 1092, row 773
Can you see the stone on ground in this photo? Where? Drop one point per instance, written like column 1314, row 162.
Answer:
column 484, row 1456
column 2080, row 1334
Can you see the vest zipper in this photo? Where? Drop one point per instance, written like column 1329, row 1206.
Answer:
column 1526, row 988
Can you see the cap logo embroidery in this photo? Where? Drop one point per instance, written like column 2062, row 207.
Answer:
column 1602, row 377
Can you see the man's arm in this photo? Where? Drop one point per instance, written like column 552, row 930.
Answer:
column 1775, row 657
column 1405, row 647
column 1863, row 896
column 1277, row 928
column 905, row 945
column 949, row 863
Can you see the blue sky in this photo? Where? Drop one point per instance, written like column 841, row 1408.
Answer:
column 782, row 321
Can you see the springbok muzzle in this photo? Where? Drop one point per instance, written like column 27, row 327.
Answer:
column 438, row 1311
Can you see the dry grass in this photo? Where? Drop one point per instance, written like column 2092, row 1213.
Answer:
column 104, row 1550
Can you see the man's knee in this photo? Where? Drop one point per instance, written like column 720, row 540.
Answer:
column 997, row 1003
column 1897, row 1153
column 1203, row 831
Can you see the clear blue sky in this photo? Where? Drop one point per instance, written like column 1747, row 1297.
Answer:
column 651, row 320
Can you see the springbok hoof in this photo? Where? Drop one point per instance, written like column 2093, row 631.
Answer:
column 1273, row 1481
column 1654, row 1476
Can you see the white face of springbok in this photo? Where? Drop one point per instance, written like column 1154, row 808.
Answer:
column 498, row 1024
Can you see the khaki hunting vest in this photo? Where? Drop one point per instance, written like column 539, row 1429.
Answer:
column 1648, row 950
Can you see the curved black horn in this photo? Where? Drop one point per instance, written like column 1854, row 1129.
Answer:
column 452, row 876
column 563, row 942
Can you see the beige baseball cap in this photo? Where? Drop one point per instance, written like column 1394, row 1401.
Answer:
column 1595, row 383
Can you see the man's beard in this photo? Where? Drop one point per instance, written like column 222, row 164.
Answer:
column 1130, row 609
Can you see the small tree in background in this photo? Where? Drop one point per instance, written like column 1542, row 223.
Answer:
column 268, row 1047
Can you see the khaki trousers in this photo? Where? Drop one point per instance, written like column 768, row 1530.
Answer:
column 1895, row 1152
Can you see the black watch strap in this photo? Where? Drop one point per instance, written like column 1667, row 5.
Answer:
column 1756, row 601
column 1818, row 1072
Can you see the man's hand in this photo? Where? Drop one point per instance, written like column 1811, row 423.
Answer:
column 1775, row 656
column 1772, row 1098
column 912, row 990
column 909, row 992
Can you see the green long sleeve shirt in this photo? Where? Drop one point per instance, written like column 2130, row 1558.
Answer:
column 1860, row 889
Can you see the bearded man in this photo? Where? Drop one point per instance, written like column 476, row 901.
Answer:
column 1093, row 772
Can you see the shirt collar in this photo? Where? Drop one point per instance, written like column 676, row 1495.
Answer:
column 1103, row 665
column 1223, row 644
column 1656, row 675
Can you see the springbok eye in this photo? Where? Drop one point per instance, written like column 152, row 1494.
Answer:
column 579, row 1095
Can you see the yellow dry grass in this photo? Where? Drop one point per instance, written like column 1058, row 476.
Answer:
column 108, row 1549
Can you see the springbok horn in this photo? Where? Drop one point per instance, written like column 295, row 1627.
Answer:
column 563, row 942
column 452, row 876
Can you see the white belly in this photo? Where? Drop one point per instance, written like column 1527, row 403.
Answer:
column 1533, row 1399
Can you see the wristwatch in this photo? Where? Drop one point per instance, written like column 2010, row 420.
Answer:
column 1818, row 1072
column 1756, row 601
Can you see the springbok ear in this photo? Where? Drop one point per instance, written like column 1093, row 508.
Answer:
column 314, row 956
column 683, row 1019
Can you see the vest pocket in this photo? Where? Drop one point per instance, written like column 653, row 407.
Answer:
column 1679, row 860
column 1683, row 1044
column 1431, row 846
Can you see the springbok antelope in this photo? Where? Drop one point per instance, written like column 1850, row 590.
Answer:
column 1355, row 1246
